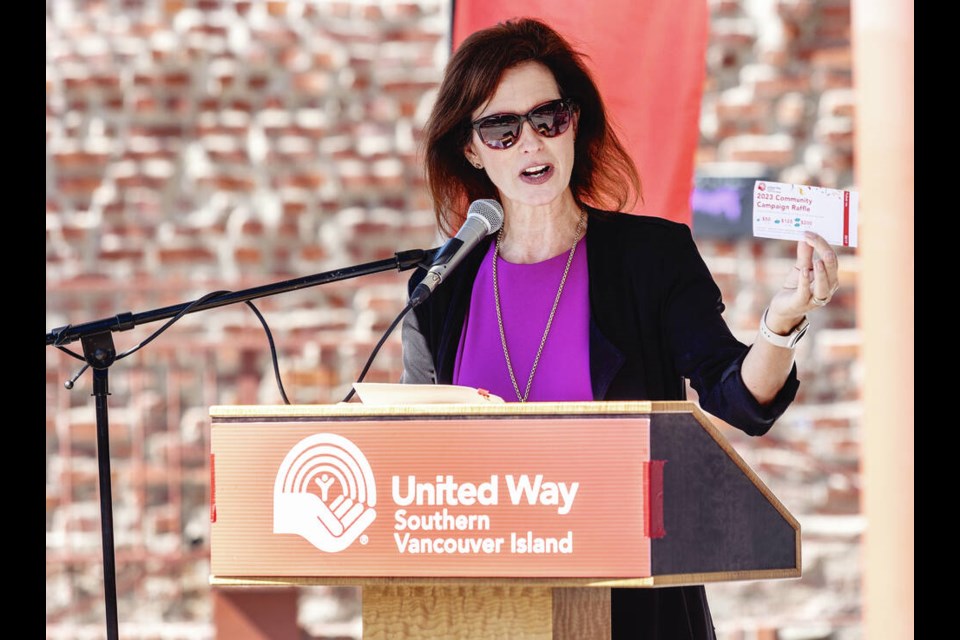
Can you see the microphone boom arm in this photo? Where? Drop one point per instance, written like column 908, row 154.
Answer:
column 402, row 261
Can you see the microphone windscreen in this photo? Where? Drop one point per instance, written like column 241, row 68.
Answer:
column 488, row 209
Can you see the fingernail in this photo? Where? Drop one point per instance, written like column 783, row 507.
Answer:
column 819, row 265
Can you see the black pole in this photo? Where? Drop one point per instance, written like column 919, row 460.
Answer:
column 99, row 352
column 101, row 391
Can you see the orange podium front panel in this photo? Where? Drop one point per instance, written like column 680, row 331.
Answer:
column 618, row 494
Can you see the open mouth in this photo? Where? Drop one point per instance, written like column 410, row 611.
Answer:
column 535, row 172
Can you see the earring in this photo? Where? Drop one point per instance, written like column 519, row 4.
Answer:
column 478, row 165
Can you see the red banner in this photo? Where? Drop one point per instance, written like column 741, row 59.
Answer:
column 648, row 59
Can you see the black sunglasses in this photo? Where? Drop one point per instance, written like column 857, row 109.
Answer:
column 502, row 130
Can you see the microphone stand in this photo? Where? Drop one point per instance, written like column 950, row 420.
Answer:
column 99, row 353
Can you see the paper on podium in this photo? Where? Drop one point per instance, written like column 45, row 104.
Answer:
column 385, row 393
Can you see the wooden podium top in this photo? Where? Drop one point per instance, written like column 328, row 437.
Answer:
column 352, row 409
column 639, row 494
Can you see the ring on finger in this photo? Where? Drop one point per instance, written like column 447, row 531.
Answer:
column 819, row 301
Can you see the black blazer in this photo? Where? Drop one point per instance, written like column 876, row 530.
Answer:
column 655, row 319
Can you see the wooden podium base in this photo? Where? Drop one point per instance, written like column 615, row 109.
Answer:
column 469, row 612
column 581, row 613
column 435, row 612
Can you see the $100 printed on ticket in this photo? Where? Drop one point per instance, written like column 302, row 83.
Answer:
column 784, row 211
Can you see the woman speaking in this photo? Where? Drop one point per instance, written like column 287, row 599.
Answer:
column 573, row 300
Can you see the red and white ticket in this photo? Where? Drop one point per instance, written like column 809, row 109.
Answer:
column 784, row 211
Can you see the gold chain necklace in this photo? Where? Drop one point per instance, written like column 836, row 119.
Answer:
column 546, row 330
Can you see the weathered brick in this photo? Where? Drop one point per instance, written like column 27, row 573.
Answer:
column 792, row 111
column 139, row 181
column 184, row 255
column 257, row 82
column 838, row 345
column 163, row 520
column 312, row 82
column 248, row 255
column 824, row 79
column 313, row 253
column 739, row 105
column 773, row 150
column 734, row 33
column 837, row 102
column 293, row 208
column 121, row 255
column 835, row 131
column 724, row 7
column 371, row 12
column 407, row 10
column 78, row 187
column 310, row 181
column 795, row 10
column 276, row 9
column 768, row 81
column 228, row 183
column 77, row 159
column 158, row 132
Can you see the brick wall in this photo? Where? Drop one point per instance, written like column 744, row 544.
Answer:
column 200, row 145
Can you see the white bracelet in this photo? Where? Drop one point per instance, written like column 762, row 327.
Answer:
column 788, row 341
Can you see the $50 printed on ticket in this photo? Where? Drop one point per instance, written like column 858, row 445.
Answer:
column 784, row 211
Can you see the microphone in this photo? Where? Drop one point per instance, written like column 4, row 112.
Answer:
column 483, row 218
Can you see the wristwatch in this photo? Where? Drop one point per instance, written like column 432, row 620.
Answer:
column 788, row 341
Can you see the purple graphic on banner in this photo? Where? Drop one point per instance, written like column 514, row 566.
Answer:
column 720, row 202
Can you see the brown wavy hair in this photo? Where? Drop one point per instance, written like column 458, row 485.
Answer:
column 603, row 175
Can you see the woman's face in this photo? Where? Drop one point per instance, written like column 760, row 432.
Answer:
column 535, row 171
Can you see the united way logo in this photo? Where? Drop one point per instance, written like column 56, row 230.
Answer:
column 325, row 492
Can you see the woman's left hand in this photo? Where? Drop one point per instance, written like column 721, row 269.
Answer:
column 809, row 285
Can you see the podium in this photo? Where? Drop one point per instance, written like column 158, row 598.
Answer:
column 487, row 521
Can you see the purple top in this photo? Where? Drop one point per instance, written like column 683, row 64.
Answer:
column 527, row 293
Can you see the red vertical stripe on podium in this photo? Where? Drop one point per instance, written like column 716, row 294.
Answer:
column 653, row 499
column 846, row 218
column 213, row 492
column 648, row 59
